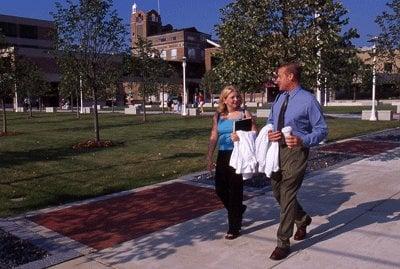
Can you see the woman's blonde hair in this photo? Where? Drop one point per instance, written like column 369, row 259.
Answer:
column 222, row 97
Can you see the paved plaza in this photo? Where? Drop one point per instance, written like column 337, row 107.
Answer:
column 355, row 206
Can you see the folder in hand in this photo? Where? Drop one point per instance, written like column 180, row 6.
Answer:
column 242, row 125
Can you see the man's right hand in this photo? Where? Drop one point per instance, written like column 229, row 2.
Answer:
column 274, row 136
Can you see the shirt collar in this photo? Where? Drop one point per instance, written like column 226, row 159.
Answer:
column 294, row 91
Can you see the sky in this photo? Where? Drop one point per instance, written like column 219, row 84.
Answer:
column 202, row 14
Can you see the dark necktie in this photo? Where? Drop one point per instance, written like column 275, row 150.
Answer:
column 281, row 118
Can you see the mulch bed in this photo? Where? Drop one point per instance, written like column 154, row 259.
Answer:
column 107, row 223
column 360, row 147
column 92, row 144
column 15, row 252
column 8, row 133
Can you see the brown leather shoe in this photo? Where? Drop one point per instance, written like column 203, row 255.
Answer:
column 279, row 253
column 301, row 232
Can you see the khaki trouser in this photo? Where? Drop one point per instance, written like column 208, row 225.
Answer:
column 285, row 184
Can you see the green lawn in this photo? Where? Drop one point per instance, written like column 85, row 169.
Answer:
column 39, row 168
column 356, row 109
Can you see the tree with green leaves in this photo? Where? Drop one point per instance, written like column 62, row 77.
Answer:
column 6, row 86
column 388, row 42
column 6, row 79
column 92, row 32
column 29, row 81
column 148, row 68
column 211, row 84
column 277, row 31
column 171, row 82
column 114, row 80
column 71, row 80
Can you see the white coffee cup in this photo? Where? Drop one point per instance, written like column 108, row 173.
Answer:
column 286, row 131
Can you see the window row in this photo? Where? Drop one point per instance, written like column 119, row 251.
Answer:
column 25, row 31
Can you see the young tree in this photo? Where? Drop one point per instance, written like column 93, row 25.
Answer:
column 92, row 33
column 389, row 39
column 6, row 85
column 6, row 77
column 29, row 81
column 114, row 79
column 211, row 84
column 70, row 81
column 170, row 82
column 148, row 67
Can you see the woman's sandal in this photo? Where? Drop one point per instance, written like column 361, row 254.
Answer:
column 231, row 236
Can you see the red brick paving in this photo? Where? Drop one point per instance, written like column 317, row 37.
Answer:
column 106, row 223
column 360, row 147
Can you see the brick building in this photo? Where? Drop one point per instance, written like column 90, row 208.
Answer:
column 173, row 45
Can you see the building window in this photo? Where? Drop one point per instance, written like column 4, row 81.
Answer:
column 163, row 39
column 28, row 31
column 192, row 53
column 191, row 38
column 174, row 54
column 140, row 31
column 173, row 38
column 388, row 67
column 139, row 19
column 8, row 29
column 163, row 54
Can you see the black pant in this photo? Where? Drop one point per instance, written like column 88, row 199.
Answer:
column 229, row 188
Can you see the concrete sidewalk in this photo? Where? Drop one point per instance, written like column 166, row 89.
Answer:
column 355, row 210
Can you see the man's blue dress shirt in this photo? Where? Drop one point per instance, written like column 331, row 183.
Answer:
column 303, row 114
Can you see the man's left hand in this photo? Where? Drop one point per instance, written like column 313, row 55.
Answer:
column 293, row 141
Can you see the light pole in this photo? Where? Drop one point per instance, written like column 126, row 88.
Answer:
column 319, row 61
column 325, row 94
column 373, row 111
column 81, row 92
column 184, row 111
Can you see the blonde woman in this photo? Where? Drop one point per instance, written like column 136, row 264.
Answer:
column 228, row 184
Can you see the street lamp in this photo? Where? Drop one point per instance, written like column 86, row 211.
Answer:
column 81, row 92
column 184, row 111
column 325, row 94
column 316, row 16
column 373, row 111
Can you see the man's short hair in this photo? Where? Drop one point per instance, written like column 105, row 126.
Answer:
column 292, row 68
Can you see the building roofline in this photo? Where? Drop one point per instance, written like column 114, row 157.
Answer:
column 24, row 20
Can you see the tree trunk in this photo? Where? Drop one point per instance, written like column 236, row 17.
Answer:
column 72, row 103
column 144, row 108
column 3, row 104
column 77, row 105
column 96, row 117
column 30, row 108
column 40, row 104
column 112, row 105
column 354, row 94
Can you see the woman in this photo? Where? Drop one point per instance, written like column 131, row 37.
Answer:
column 228, row 184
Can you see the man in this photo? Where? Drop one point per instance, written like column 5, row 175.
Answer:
column 297, row 108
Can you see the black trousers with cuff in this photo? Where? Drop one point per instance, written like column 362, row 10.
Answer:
column 229, row 188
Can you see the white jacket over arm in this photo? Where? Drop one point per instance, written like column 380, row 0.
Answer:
column 243, row 158
column 267, row 153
